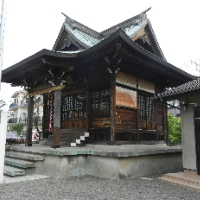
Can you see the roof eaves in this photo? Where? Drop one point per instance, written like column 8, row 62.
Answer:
column 37, row 55
column 123, row 35
column 155, row 57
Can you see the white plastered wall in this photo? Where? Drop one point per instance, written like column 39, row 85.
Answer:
column 188, row 137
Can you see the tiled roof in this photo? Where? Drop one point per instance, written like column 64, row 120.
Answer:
column 130, row 30
column 88, row 37
column 89, row 40
column 82, row 36
column 186, row 87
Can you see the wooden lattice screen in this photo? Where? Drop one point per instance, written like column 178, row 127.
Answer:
column 100, row 100
column 74, row 107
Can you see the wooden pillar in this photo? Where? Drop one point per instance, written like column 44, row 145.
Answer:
column 29, row 122
column 155, row 117
column 165, row 125
column 138, row 122
column 138, row 112
column 87, row 111
column 113, row 107
column 56, row 119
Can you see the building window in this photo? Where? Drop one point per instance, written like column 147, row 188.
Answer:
column 146, row 112
column 74, row 107
column 100, row 100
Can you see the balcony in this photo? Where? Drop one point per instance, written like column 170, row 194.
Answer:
column 13, row 105
column 24, row 120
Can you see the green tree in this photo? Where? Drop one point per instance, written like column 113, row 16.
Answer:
column 17, row 127
column 174, row 130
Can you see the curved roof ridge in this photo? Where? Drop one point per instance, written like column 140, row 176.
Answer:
column 75, row 24
column 128, row 22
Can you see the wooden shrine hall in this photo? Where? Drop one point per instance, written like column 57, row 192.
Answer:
column 100, row 83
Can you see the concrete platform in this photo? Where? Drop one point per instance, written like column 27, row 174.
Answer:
column 105, row 161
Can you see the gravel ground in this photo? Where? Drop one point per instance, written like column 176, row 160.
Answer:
column 143, row 188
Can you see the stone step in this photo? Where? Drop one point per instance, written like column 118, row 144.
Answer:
column 180, row 183
column 12, row 171
column 188, row 178
column 24, row 156
column 19, row 163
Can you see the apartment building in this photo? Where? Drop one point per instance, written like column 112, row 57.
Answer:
column 18, row 109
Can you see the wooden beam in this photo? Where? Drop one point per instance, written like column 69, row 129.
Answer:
column 57, row 119
column 29, row 122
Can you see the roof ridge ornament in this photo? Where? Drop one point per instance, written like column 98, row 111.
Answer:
column 69, row 20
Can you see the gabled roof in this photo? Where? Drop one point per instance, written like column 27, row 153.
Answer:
column 41, row 62
column 84, row 37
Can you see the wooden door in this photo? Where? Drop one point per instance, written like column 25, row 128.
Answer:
column 197, row 135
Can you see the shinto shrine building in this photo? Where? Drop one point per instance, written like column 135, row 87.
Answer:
column 100, row 83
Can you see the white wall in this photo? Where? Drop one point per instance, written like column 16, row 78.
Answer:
column 188, row 137
column 3, row 130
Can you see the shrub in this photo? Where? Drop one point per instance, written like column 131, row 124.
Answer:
column 174, row 130
column 17, row 127
column 15, row 140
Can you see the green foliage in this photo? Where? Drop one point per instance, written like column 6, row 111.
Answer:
column 17, row 127
column 174, row 130
column 2, row 103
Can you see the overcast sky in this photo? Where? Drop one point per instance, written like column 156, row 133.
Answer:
column 32, row 25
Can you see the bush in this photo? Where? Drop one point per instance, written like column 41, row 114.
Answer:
column 17, row 128
column 15, row 140
column 174, row 130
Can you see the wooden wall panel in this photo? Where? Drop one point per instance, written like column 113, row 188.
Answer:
column 126, row 79
column 100, row 79
column 126, row 98
column 146, row 86
column 100, row 122
column 126, row 119
column 159, row 116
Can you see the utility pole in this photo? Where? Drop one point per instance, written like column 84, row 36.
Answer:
column 3, row 114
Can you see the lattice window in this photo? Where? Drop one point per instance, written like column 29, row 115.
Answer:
column 150, row 110
column 146, row 108
column 74, row 107
column 142, row 107
column 100, row 100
